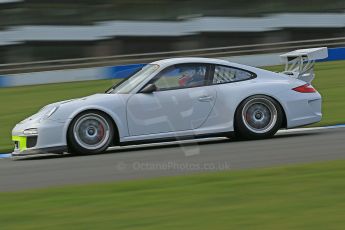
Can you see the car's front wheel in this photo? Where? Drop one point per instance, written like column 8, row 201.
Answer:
column 90, row 132
column 258, row 117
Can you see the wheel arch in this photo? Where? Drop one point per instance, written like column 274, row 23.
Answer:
column 111, row 118
column 284, row 122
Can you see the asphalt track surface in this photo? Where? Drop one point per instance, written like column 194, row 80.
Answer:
column 149, row 161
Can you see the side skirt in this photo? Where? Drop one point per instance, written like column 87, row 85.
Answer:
column 179, row 138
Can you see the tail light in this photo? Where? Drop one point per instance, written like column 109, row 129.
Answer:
column 306, row 88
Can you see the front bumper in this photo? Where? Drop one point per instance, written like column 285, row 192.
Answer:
column 35, row 151
column 50, row 138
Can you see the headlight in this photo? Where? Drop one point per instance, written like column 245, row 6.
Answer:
column 30, row 132
column 50, row 112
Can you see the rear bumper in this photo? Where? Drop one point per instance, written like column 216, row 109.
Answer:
column 304, row 110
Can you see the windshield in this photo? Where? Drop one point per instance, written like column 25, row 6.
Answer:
column 128, row 84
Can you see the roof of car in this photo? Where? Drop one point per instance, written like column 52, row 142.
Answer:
column 173, row 61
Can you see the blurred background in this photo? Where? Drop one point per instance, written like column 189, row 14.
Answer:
column 54, row 50
column 37, row 30
column 85, row 46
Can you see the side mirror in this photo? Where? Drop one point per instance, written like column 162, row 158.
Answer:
column 150, row 88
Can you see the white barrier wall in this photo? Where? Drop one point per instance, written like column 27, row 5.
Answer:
column 97, row 73
column 256, row 60
column 56, row 76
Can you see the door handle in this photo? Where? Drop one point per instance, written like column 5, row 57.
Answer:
column 205, row 98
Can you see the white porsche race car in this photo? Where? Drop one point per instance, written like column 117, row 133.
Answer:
column 179, row 98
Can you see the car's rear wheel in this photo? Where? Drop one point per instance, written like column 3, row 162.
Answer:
column 90, row 132
column 258, row 117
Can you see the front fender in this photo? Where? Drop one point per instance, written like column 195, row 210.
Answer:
column 111, row 104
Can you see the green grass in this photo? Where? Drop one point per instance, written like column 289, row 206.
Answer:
column 308, row 196
column 20, row 102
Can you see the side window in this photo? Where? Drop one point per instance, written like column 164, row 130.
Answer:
column 181, row 76
column 226, row 74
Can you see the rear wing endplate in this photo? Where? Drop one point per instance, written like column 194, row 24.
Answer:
column 300, row 63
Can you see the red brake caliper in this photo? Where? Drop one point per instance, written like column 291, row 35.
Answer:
column 248, row 117
column 101, row 131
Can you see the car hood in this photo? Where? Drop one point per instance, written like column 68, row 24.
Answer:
column 95, row 98
column 67, row 109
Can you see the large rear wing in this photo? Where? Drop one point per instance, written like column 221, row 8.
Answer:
column 300, row 63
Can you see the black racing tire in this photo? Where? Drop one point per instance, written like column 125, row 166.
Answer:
column 233, row 136
column 258, row 117
column 90, row 132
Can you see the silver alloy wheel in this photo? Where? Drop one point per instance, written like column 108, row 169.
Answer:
column 259, row 115
column 91, row 131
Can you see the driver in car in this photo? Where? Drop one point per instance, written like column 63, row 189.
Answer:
column 191, row 77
